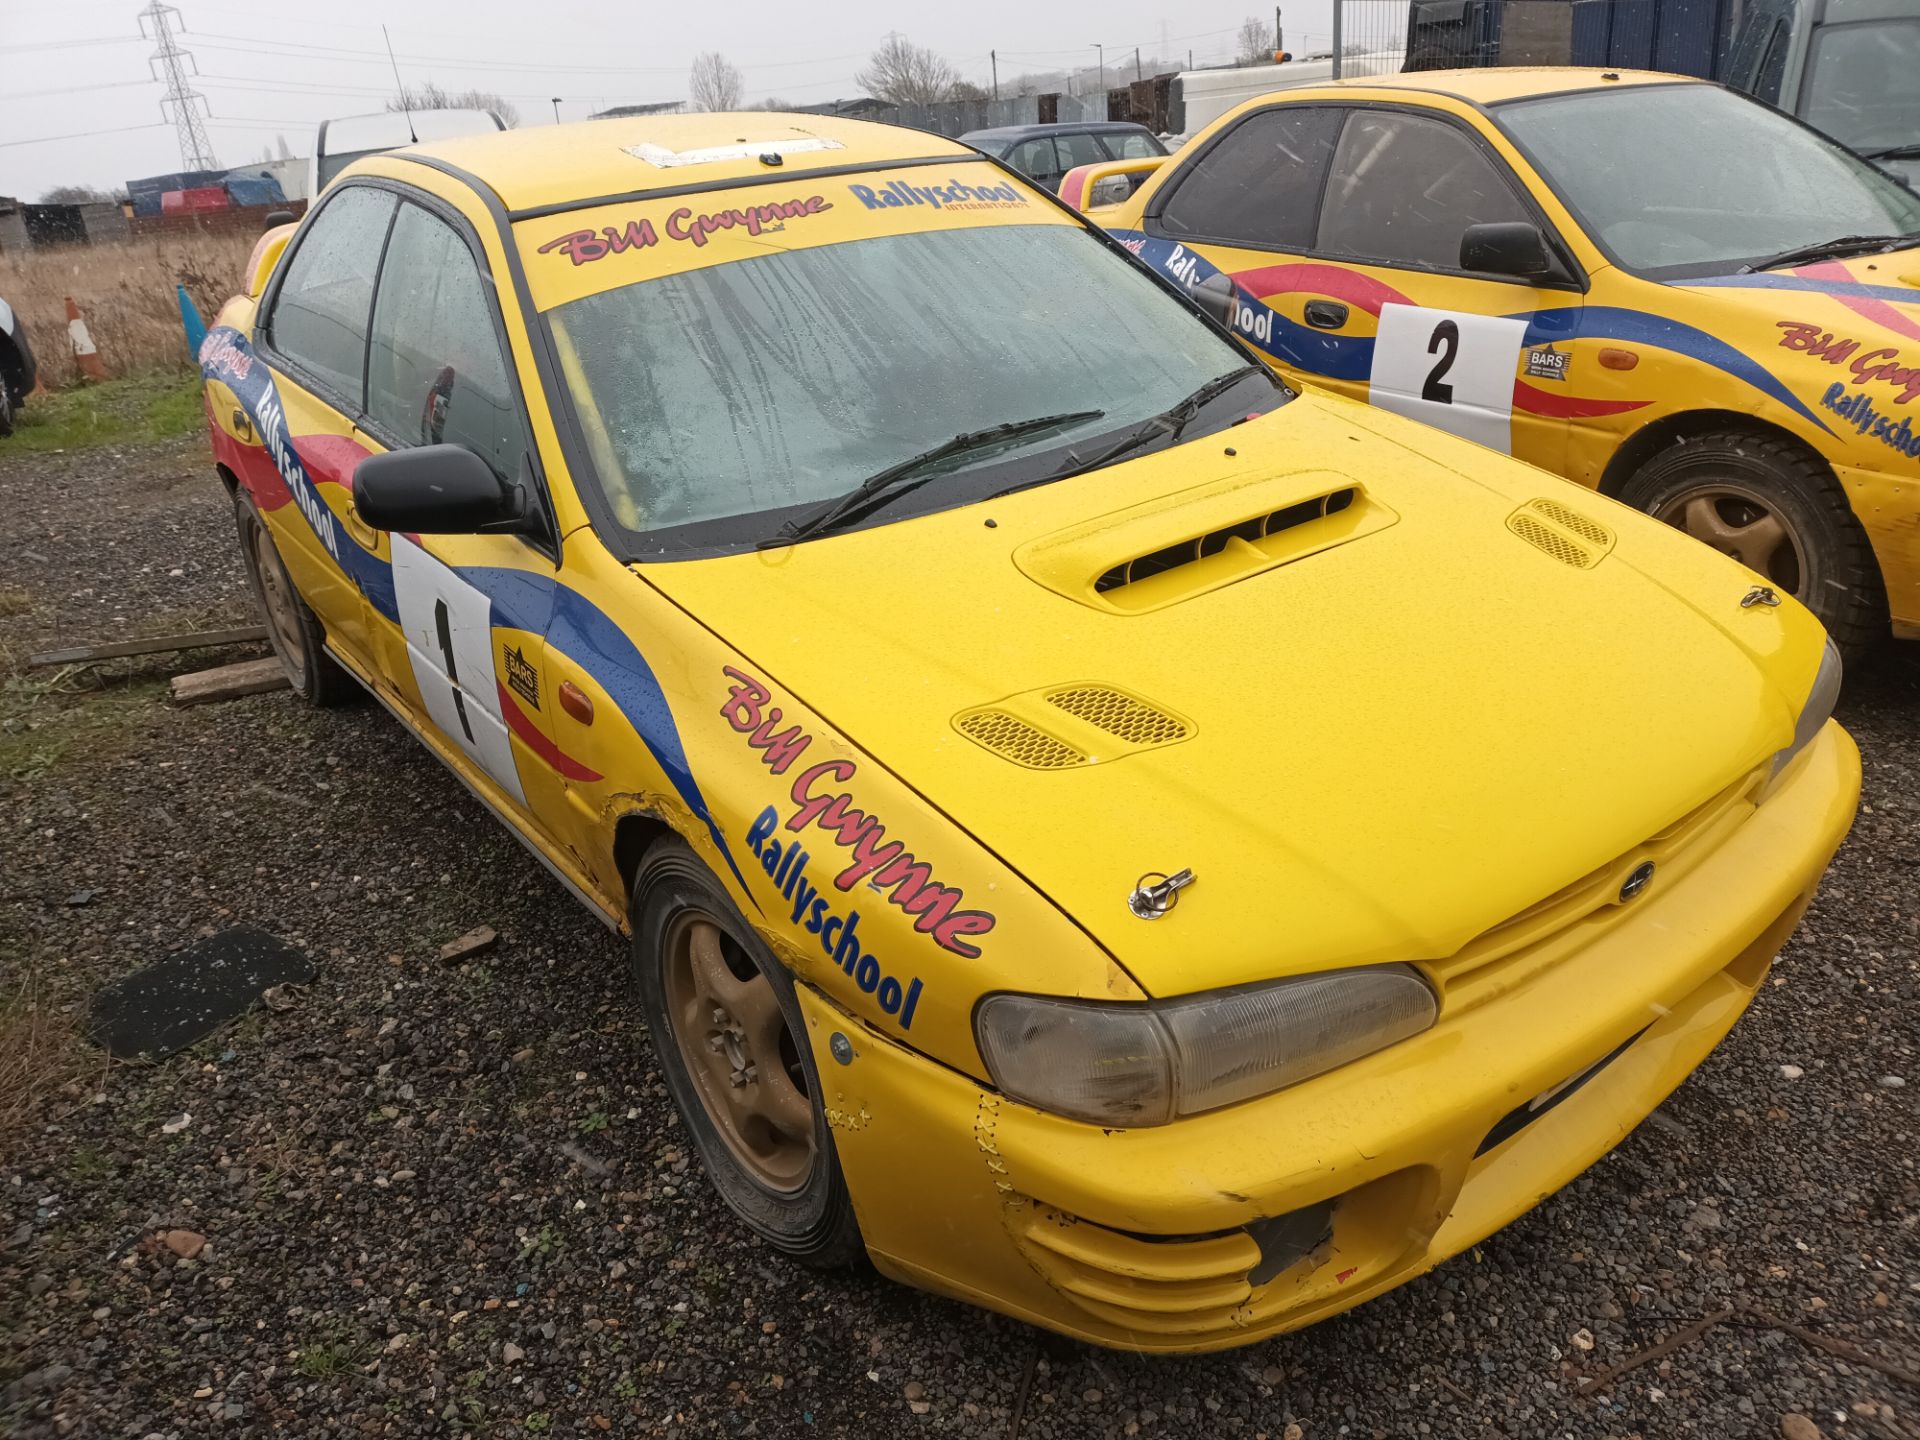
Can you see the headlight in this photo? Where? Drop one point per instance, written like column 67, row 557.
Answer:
column 1149, row 1063
column 1815, row 713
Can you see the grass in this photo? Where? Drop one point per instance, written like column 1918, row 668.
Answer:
column 41, row 1055
column 157, row 405
column 45, row 719
column 326, row 1358
column 126, row 294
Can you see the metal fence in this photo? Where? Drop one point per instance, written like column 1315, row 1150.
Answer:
column 1378, row 37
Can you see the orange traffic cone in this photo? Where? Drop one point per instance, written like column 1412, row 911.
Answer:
column 84, row 355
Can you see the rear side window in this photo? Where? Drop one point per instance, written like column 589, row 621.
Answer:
column 1133, row 146
column 1259, row 185
column 435, row 372
column 1405, row 187
column 319, row 317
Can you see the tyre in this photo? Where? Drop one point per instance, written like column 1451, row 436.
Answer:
column 6, row 408
column 299, row 639
column 731, row 1042
column 1774, row 506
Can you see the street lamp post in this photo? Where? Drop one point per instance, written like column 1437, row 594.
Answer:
column 1102, row 51
column 556, row 109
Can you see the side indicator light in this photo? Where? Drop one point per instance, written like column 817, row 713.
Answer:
column 576, row 702
column 1614, row 358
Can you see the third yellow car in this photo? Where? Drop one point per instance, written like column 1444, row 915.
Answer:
column 1647, row 284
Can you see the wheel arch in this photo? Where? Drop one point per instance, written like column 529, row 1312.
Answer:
column 634, row 833
column 1650, row 439
column 227, row 478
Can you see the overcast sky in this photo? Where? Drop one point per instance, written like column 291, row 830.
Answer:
column 274, row 68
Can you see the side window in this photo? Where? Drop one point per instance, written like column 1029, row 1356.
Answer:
column 434, row 370
column 1773, row 64
column 1036, row 158
column 1132, row 145
column 1405, row 187
column 319, row 318
column 1080, row 149
column 1259, row 185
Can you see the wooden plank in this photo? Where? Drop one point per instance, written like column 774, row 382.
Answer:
column 192, row 640
column 229, row 682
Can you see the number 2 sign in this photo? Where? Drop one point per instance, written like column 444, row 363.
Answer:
column 1449, row 368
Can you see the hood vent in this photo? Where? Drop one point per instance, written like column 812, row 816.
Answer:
column 1119, row 714
column 1252, row 532
column 1012, row 738
column 1064, row 726
column 1562, row 532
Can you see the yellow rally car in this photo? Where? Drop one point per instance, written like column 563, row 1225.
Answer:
column 1650, row 285
column 1108, row 838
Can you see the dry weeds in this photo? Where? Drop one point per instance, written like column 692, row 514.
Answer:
column 42, row 1055
column 126, row 293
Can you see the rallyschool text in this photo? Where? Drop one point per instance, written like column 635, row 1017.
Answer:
column 839, row 935
column 1869, row 420
column 952, row 195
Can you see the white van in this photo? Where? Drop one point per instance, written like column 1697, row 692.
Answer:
column 1201, row 97
column 343, row 141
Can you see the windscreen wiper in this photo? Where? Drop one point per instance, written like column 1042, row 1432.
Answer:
column 1893, row 152
column 1169, row 422
column 857, row 501
column 1836, row 249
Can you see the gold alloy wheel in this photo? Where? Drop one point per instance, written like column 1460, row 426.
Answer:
column 1742, row 523
column 283, row 612
column 734, row 1043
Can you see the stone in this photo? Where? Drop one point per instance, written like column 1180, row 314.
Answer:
column 1795, row 1426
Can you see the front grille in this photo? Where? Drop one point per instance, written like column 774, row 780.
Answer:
column 1012, row 738
column 1553, row 927
column 1121, row 715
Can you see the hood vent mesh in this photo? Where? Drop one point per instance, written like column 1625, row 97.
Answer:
column 1119, row 714
column 1213, row 542
column 1562, row 532
column 1012, row 738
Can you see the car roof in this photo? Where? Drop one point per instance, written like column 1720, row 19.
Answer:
column 1028, row 132
column 1493, row 84
column 549, row 167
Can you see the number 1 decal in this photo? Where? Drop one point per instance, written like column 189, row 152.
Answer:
column 449, row 628
column 1450, row 368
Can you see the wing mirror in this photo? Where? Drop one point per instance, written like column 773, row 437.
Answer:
column 1510, row 247
column 1216, row 295
column 439, row 490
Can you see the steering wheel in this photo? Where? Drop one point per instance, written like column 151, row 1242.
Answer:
column 433, row 415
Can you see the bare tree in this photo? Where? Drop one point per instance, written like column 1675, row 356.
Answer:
column 715, row 84
column 1256, row 41
column 74, row 195
column 432, row 95
column 902, row 73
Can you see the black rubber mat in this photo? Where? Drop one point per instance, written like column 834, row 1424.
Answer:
column 164, row 1008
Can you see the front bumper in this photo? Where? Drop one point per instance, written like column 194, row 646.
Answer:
column 1140, row 1239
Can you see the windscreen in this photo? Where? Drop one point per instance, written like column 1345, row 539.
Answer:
column 789, row 372
column 1747, row 183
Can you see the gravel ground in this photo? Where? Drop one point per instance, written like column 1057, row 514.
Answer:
column 454, row 1199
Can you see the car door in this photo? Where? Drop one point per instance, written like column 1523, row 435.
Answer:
column 1364, row 291
column 463, row 638
column 313, row 338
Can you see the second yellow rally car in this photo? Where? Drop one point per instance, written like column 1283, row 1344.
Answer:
column 1109, row 838
column 1650, row 285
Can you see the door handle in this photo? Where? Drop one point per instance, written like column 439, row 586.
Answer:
column 1326, row 314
